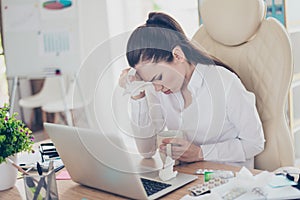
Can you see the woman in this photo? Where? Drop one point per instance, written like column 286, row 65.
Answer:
column 193, row 92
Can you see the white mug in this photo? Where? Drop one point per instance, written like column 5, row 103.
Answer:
column 168, row 134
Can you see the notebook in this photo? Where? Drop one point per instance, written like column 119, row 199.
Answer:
column 102, row 161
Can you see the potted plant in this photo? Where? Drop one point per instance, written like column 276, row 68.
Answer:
column 15, row 137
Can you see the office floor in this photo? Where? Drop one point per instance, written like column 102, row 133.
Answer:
column 36, row 123
column 39, row 132
column 40, row 136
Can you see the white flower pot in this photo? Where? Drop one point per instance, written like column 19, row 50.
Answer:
column 8, row 174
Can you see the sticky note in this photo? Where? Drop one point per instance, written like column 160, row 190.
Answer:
column 280, row 181
column 63, row 175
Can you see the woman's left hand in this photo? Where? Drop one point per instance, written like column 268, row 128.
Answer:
column 182, row 150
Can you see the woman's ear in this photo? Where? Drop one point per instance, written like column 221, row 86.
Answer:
column 178, row 54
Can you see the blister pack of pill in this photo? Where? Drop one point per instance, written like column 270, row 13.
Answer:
column 234, row 193
column 205, row 188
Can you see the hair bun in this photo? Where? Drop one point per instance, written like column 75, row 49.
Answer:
column 154, row 18
column 150, row 21
column 159, row 20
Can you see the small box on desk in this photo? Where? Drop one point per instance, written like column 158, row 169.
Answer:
column 48, row 151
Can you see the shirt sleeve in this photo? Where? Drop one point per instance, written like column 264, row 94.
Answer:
column 147, row 119
column 249, row 140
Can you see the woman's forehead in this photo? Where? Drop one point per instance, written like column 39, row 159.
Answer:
column 150, row 66
column 147, row 71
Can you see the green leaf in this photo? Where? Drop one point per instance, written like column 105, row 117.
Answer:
column 15, row 137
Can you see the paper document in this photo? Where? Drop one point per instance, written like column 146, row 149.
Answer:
column 265, row 185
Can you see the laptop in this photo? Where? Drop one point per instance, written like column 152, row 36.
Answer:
column 102, row 161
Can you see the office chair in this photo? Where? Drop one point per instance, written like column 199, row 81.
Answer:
column 259, row 51
column 52, row 90
column 64, row 104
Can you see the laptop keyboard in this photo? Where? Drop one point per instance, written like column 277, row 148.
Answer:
column 152, row 187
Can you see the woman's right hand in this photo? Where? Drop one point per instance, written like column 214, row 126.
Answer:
column 123, row 78
column 123, row 81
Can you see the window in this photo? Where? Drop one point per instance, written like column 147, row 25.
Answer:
column 132, row 13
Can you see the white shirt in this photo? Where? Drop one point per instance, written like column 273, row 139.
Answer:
column 222, row 118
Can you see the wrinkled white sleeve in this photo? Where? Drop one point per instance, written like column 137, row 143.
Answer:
column 242, row 112
column 146, row 120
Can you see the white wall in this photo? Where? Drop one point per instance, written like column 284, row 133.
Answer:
column 292, row 15
column 3, row 84
column 23, row 89
column 112, row 18
column 131, row 13
column 295, row 40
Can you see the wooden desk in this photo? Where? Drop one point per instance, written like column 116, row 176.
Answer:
column 68, row 189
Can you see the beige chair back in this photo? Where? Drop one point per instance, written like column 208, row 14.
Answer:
column 259, row 51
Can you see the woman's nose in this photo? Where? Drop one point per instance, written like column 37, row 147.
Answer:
column 157, row 87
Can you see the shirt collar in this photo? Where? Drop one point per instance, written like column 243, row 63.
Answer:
column 197, row 79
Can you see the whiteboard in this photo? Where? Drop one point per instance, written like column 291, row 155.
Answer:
column 39, row 41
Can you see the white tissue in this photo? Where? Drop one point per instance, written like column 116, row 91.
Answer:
column 134, row 88
column 167, row 173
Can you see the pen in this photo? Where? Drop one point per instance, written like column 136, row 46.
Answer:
column 30, row 181
column 38, row 189
column 50, row 167
column 50, row 170
column 29, row 169
column 39, row 169
column 41, row 182
column 59, row 168
column 17, row 166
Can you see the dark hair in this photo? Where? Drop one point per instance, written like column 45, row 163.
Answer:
column 156, row 39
